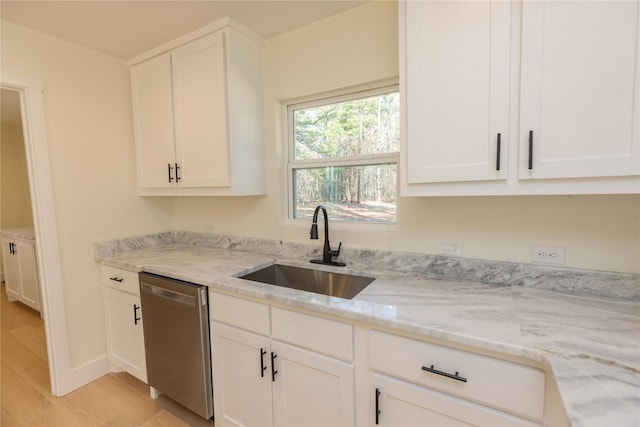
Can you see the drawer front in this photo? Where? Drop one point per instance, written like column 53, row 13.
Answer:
column 324, row 336
column 249, row 315
column 506, row 385
column 123, row 280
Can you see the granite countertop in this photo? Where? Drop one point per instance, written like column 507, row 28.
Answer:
column 26, row 233
column 591, row 345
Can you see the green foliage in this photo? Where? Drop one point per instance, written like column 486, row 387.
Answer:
column 348, row 129
column 351, row 128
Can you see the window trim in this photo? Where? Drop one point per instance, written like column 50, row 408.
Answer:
column 347, row 94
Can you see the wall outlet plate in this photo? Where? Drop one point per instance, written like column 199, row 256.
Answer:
column 449, row 247
column 548, row 254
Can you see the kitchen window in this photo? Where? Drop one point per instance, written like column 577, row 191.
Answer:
column 343, row 154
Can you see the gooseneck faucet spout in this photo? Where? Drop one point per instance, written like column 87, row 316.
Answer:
column 327, row 253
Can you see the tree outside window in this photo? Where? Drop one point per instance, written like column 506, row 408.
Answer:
column 343, row 155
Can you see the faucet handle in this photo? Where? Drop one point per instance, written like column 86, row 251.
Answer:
column 336, row 252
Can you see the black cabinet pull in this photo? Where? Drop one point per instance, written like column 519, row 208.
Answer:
column 530, row 149
column 178, row 173
column 262, row 367
column 445, row 374
column 169, row 169
column 498, row 153
column 273, row 367
column 11, row 248
column 116, row 279
column 377, row 406
column 135, row 314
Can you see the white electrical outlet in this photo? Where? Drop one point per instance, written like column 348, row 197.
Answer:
column 449, row 247
column 547, row 254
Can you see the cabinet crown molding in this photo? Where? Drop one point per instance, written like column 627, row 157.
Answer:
column 218, row 25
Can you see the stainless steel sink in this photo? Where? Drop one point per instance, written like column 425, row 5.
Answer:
column 306, row 279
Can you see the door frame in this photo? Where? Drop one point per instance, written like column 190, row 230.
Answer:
column 44, row 221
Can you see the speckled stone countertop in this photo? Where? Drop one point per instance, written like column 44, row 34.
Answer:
column 26, row 233
column 591, row 344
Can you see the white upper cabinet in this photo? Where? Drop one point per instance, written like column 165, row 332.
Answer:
column 198, row 114
column 153, row 122
column 579, row 89
column 557, row 80
column 457, row 90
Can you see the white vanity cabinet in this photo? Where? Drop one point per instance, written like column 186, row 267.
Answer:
column 198, row 114
column 21, row 271
column 558, row 80
column 422, row 384
column 123, row 316
column 277, row 367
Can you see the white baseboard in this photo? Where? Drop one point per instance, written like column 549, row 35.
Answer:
column 87, row 373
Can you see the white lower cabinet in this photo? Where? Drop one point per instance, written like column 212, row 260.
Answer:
column 261, row 381
column 123, row 316
column 242, row 392
column 420, row 383
column 400, row 403
column 311, row 389
column 21, row 272
column 273, row 366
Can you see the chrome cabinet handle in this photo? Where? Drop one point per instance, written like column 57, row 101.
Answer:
column 444, row 374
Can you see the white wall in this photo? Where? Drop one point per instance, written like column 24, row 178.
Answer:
column 89, row 131
column 15, row 204
column 359, row 46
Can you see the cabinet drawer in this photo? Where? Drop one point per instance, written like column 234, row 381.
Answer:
column 123, row 280
column 516, row 388
column 314, row 333
column 249, row 315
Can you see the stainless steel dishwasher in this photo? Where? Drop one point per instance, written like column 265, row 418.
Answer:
column 176, row 341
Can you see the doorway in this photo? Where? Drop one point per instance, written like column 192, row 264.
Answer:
column 28, row 94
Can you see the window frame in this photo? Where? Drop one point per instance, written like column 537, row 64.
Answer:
column 348, row 94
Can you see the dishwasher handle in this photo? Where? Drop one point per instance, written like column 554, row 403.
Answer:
column 169, row 294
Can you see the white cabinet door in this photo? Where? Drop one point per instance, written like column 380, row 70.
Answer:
column 153, row 123
column 11, row 270
column 400, row 403
column 198, row 115
column 457, row 62
column 30, row 289
column 311, row 389
column 579, row 89
column 241, row 377
column 202, row 143
column 21, row 272
column 125, row 337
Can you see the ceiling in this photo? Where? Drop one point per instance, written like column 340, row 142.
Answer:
column 127, row 28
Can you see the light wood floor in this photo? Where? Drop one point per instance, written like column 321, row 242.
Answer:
column 25, row 394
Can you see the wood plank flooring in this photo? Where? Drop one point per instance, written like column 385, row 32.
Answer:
column 117, row 399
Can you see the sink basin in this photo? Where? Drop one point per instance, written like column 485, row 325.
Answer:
column 306, row 279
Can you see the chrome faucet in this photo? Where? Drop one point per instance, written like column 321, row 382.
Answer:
column 327, row 253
